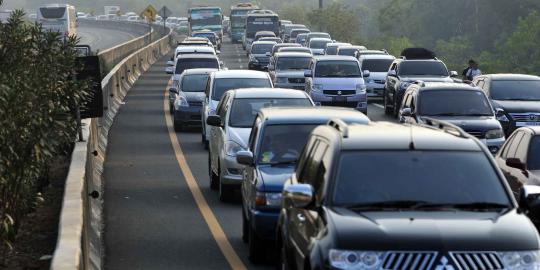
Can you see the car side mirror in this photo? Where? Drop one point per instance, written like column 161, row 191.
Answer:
column 499, row 112
column 298, row 195
column 453, row 73
column 528, row 199
column 214, row 120
column 392, row 73
column 169, row 70
column 516, row 163
column 245, row 158
column 170, row 63
column 366, row 73
column 173, row 90
column 308, row 73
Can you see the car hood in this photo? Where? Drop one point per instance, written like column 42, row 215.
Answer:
column 274, row 177
column 426, row 79
column 317, row 51
column 290, row 73
column 517, row 106
column 195, row 96
column 478, row 123
column 239, row 135
column 338, row 83
column 434, row 231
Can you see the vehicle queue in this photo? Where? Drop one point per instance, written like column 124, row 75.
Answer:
column 326, row 188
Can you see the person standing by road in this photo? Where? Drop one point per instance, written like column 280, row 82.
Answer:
column 471, row 71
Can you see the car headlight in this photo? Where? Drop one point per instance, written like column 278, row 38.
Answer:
column 522, row 260
column 181, row 101
column 268, row 199
column 404, row 85
column 361, row 88
column 231, row 148
column 355, row 260
column 317, row 87
column 281, row 80
column 494, row 134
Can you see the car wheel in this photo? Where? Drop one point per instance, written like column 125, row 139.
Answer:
column 256, row 247
column 284, row 262
column 245, row 227
column 387, row 109
column 225, row 191
column 213, row 177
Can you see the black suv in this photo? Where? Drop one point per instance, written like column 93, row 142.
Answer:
column 408, row 69
column 388, row 196
column 515, row 97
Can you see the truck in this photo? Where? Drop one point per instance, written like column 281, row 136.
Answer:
column 238, row 20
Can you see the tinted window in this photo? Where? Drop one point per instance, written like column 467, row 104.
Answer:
column 297, row 63
column 533, row 159
column 347, row 52
column 192, row 63
column 261, row 23
column 194, row 83
column 337, row 69
column 318, row 44
column 295, row 33
column 433, row 177
column 262, row 48
column 423, row 68
column 331, row 50
column 515, row 90
column 282, row 143
column 222, row 85
column 453, row 103
column 52, row 12
column 377, row 65
column 244, row 110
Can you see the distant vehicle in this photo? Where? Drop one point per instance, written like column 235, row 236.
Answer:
column 238, row 20
column 362, row 197
column 294, row 33
column 181, row 50
column 133, row 18
column 377, row 66
column 311, row 35
column 231, row 126
column 332, row 48
column 337, row 81
column 275, row 144
column 317, row 45
column 287, row 69
column 32, row 16
column 223, row 81
column 287, row 29
column 279, row 46
column 196, row 41
column 460, row 104
column 111, row 10
column 59, row 18
column 210, row 18
column 102, row 17
column 213, row 37
column 81, row 15
column 259, row 56
column 350, row 50
column 256, row 22
column 515, row 97
column 183, row 27
column 191, row 61
column 301, row 38
column 282, row 24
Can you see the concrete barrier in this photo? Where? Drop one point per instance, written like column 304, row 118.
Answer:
column 80, row 242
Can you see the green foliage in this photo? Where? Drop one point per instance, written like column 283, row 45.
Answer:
column 454, row 52
column 37, row 100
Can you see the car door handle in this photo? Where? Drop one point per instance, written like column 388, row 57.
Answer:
column 301, row 217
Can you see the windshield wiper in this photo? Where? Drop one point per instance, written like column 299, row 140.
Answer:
column 387, row 204
column 284, row 162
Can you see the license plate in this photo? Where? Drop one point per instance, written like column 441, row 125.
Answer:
column 339, row 99
column 524, row 124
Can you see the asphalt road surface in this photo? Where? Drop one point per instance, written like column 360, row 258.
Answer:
column 101, row 39
column 160, row 212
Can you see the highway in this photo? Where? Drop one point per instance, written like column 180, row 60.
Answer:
column 160, row 212
column 101, row 39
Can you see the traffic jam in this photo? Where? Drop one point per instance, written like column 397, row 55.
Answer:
column 452, row 182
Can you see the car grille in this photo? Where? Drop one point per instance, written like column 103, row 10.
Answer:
column 297, row 80
column 477, row 134
column 195, row 103
column 409, row 260
column 477, row 260
column 340, row 104
column 525, row 117
column 263, row 59
column 339, row 92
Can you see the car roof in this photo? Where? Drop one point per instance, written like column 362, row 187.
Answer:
column 390, row 136
column 300, row 29
column 252, row 74
column 292, row 54
column 268, row 93
column 318, row 33
column 336, row 44
column 359, row 47
column 447, row 86
column 377, row 56
column 318, row 114
column 288, row 44
column 264, row 42
column 198, row 56
column 264, row 33
column 320, row 39
column 194, row 48
column 334, row 57
column 198, row 71
column 512, row 77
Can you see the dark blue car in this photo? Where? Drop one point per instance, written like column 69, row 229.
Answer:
column 276, row 141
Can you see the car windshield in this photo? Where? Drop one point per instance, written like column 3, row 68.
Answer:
column 209, row 36
column 423, row 68
column 244, row 110
column 371, row 177
column 515, row 90
column 347, row 51
column 454, row 103
column 293, row 63
column 283, row 143
column 318, row 44
column 331, row 50
column 377, row 65
column 337, row 69
column 194, row 83
column 533, row 159
column 190, row 63
column 261, row 48
column 225, row 84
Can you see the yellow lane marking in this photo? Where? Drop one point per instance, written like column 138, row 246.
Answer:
column 217, row 232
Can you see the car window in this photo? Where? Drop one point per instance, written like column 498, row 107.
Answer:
column 366, row 177
column 376, row 65
column 337, row 69
column 454, row 102
column 244, row 110
column 283, row 143
column 194, row 83
column 261, row 48
column 224, row 84
column 191, row 63
column 533, row 160
column 293, row 63
column 422, row 68
column 515, row 90
column 347, row 51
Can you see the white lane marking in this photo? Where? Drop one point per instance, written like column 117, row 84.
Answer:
column 378, row 105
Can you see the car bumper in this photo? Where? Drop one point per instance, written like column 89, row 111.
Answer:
column 188, row 115
column 298, row 86
column 358, row 102
column 375, row 89
column 231, row 171
column 264, row 224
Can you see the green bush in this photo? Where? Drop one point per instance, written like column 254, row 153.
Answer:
column 37, row 100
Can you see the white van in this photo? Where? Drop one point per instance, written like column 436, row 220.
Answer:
column 60, row 18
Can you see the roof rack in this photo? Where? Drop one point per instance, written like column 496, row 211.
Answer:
column 340, row 126
column 445, row 126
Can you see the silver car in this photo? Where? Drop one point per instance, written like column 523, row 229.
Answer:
column 231, row 128
column 222, row 81
column 318, row 45
column 287, row 69
column 377, row 66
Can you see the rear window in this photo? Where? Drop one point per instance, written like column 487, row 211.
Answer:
column 318, row 44
column 283, row 143
column 377, row 65
column 293, row 63
column 337, row 69
column 347, row 51
column 422, row 68
column 223, row 85
column 261, row 48
column 515, row 90
column 194, row 83
column 191, row 63
column 454, row 103
column 295, row 33
column 244, row 110
column 52, row 12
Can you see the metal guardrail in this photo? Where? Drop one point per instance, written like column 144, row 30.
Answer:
column 80, row 242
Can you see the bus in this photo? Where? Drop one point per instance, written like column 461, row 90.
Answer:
column 238, row 20
column 259, row 20
column 210, row 18
column 60, row 18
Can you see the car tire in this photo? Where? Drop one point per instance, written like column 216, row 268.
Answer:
column 177, row 126
column 255, row 247
column 245, row 227
column 213, row 177
column 387, row 109
column 225, row 191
